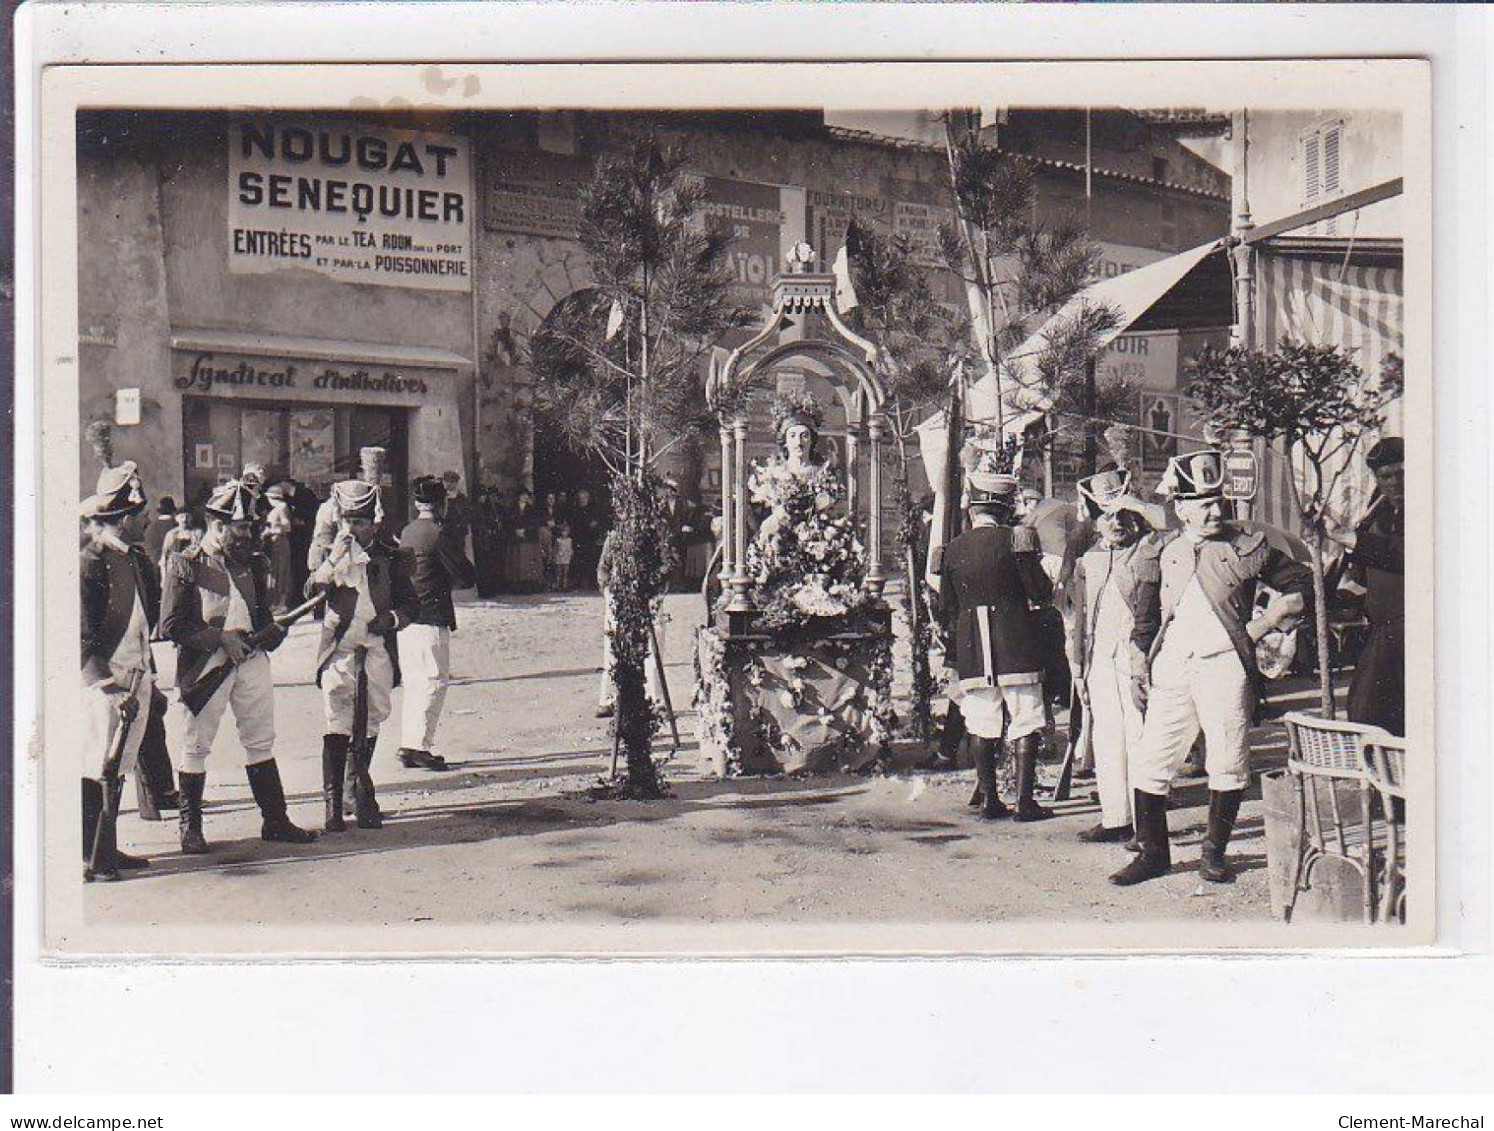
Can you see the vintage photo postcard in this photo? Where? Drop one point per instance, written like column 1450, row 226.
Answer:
column 744, row 509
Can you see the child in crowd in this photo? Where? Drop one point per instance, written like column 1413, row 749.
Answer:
column 565, row 551
column 546, row 540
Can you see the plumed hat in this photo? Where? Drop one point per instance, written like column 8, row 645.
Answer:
column 118, row 493
column 990, row 470
column 357, row 499
column 371, row 464
column 234, row 501
column 1109, row 491
column 428, row 491
column 1389, row 451
column 1195, row 475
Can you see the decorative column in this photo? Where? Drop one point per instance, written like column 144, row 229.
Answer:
column 728, row 519
column 853, row 444
column 740, row 582
column 875, row 580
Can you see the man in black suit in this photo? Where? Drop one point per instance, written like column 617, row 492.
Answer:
column 991, row 580
column 436, row 566
column 121, row 602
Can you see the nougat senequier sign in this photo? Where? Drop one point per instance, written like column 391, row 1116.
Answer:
column 351, row 202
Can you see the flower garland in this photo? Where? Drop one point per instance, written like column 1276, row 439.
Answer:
column 805, row 561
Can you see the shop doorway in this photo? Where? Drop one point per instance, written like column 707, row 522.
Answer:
column 314, row 444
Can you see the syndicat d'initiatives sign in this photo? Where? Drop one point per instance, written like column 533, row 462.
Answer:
column 355, row 203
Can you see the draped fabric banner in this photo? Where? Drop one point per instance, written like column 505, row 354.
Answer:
column 1326, row 303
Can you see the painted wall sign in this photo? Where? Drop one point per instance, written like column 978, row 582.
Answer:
column 829, row 214
column 764, row 222
column 1143, row 361
column 296, row 379
column 352, row 202
column 534, row 194
column 920, row 223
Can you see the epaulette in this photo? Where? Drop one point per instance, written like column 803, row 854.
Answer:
column 1024, row 540
column 1248, row 541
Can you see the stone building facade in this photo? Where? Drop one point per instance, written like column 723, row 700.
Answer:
column 254, row 309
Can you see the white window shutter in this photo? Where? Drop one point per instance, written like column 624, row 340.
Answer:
column 1312, row 183
column 1331, row 139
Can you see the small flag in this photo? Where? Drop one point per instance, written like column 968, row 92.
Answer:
column 845, row 294
column 614, row 320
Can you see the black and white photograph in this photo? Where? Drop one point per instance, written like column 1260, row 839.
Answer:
column 798, row 524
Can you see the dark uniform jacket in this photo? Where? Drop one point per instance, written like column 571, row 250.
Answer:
column 991, row 577
column 390, row 589
column 436, row 564
column 1229, row 567
column 110, row 579
column 195, row 605
column 1377, row 695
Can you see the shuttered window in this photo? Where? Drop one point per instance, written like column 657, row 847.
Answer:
column 1321, row 170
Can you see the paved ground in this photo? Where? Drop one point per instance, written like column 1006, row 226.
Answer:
column 510, row 836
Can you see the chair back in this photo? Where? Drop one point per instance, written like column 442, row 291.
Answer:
column 1328, row 747
column 1385, row 764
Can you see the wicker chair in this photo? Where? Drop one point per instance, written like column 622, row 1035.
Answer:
column 1328, row 752
column 1385, row 769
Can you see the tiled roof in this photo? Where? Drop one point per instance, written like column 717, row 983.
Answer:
column 866, row 137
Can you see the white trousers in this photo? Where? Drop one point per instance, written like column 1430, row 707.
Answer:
column 425, row 665
column 1115, row 725
column 986, row 709
column 250, row 691
column 606, row 692
column 340, row 687
column 1191, row 693
column 101, row 722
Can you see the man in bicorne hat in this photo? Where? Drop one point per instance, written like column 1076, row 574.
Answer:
column 1114, row 597
column 1203, row 665
column 120, row 602
column 327, row 524
column 991, row 579
column 217, row 597
column 369, row 599
column 436, row 564
column 1377, row 549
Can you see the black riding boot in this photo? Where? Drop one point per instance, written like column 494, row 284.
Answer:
column 269, row 795
column 93, row 806
column 334, row 769
column 192, row 785
column 950, row 737
column 1155, row 857
column 991, row 807
column 1224, row 807
column 1026, row 751
column 365, row 804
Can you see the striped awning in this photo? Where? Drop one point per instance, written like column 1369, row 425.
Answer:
column 1321, row 292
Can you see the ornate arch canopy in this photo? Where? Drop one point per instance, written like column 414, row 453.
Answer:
column 801, row 299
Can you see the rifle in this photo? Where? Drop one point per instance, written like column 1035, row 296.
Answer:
column 196, row 697
column 101, row 859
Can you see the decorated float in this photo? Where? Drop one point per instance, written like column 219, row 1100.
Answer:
column 794, row 670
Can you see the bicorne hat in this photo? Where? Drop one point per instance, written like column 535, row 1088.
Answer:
column 118, row 493
column 428, row 491
column 1109, row 491
column 357, row 499
column 1195, row 475
column 234, row 501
